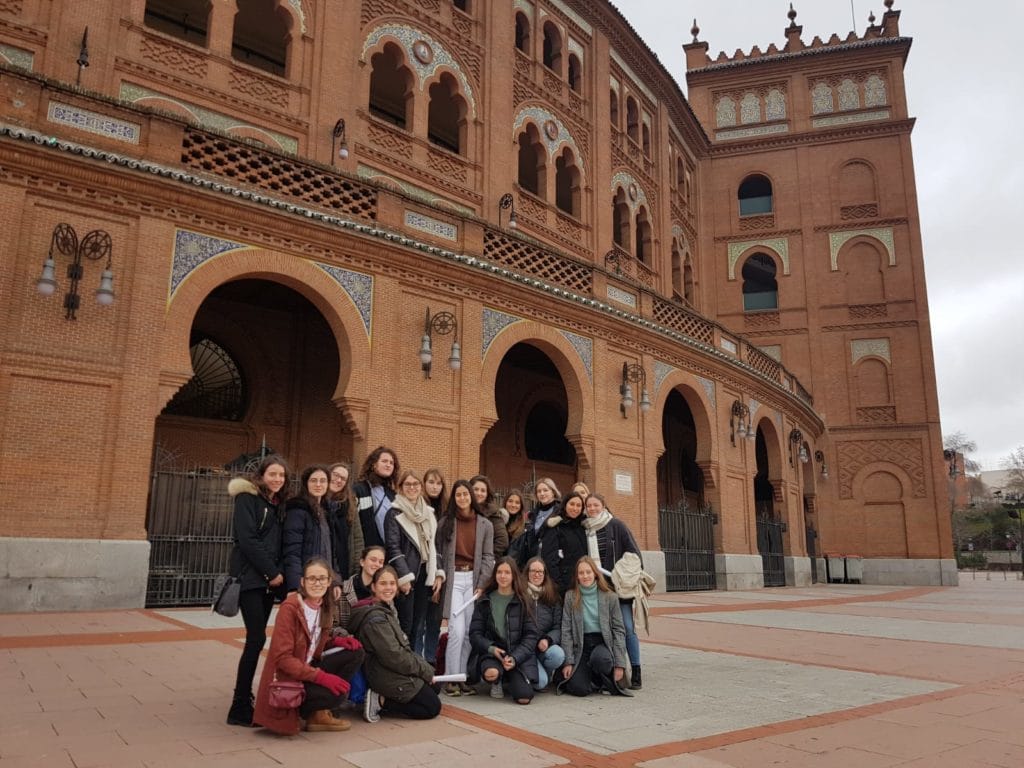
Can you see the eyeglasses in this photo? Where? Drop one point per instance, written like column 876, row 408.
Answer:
column 317, row 579
column 411, row 484
column 318, row 480
column 536, row 571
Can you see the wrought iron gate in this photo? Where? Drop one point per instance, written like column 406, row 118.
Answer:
column 190, row 537
column 686, row 534
column 769, row 544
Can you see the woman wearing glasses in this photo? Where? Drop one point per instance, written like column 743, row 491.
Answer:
column 346, row 532
column 409, row 531
column 542, row 591
column 302, row 634
column 307, row 531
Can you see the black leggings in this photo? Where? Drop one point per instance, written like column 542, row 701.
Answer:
column 594, row 668
column 513, row 680
column 256, row 605
column 425, row 705
column 412, row 608
column 344, row 664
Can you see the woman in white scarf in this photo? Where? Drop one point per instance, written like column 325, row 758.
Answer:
column 409, row 531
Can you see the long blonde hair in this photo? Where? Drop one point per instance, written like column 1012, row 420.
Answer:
column 599, row 579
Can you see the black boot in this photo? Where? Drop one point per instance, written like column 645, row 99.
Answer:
column 614, row 688
column 241, row 711
column 636, row 682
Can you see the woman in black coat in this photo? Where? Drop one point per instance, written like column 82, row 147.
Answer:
column 563, row 541
column 374, row 492
column 307, row 528
column 256, row 560
column 504, row 637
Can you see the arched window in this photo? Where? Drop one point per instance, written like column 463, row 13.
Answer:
column 620, row 219
column 688, row 280
column 446, row 116
column 462, row 5
column 390, row 87
column 680, row 176
column 856, row 184
column 552, row 48
column 545, row 435
column 523, row 33
column 613, row 106
column 642, row 251
column 760, row 289
column 677, row 271
column 531, row 161
column 646, row 130
column 865, row 281
column 567, row 183
column 216, row 389
column 872, row 383
column 575, row 73
column 187, row 20
column 632, row 119
column 755, row 195
column 260, row 35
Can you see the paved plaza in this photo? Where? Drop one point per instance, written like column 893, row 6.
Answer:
column 828, row 676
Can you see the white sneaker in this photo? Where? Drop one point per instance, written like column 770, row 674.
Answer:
column 496, row 691
column 371, row 707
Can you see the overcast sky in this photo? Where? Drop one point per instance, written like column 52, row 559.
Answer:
column 966, row 88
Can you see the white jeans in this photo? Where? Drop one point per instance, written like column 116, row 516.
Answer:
column 457, row 653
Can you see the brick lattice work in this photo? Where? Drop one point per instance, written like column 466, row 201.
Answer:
column 762, row 363
column 687, row 323
column 250, row 165
column 524, row 257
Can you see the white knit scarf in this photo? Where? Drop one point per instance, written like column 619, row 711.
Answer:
column 592, row 526
column 419, row 523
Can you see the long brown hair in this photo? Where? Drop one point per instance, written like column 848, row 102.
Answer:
column 599, row 579
column 343, row 497
column 516, row 524
column 327, row 607
column 261, row 486
column 517, row 582
column 316, row 508
column 439, row 503
column 548, row 590
column 369, row 474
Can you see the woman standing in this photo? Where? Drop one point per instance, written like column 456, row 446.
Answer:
column 301, row 635
column 346, row 532
column 484, row 496
column 410, row 530
column 399, row 679
column 357, row 587
column 592, row 634
column 547, row 500
column 256, row 560
column 547, row 612
column 307, row 532
column 435, row 490
column 466, row 541
column 503, row 636
column 374, row 492
column 608, row 539
column 563, row 541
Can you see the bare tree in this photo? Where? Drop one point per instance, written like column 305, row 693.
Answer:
column 1014, row 465
column 960, row 443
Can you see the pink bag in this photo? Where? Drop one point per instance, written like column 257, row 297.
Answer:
column 286, row 694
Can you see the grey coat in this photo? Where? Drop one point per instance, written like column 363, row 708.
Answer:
column 483, row 559
column 612, row 629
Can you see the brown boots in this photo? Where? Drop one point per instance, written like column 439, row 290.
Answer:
column 323, row 720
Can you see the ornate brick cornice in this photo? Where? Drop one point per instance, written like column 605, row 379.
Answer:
column 822, row 136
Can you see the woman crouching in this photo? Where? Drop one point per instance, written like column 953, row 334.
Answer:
column 302, row 633
column 399, row 679
column 503, row 636
column 593, row 635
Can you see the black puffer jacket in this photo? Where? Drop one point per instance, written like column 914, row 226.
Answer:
column 563, row 543
column 301, row 540
column 520, row 637
column 257, row 532
column 548, row 619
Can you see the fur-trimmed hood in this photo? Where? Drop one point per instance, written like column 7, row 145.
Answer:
column 242, row 485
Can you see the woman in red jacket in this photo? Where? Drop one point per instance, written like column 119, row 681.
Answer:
column 302, row 634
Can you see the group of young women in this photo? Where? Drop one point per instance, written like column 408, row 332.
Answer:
column 521, row 598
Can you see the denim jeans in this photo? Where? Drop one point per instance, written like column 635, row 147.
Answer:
column 632, row 641
column 547, row 662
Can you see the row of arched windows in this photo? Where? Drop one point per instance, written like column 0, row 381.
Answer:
column 553, row 47
column 856, row 186
column 534, row 175
column 637, row 129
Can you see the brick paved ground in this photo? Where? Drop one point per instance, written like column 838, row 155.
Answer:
column 826, row 677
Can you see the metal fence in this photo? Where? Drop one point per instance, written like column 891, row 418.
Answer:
column 686, row 534
column 769, row 544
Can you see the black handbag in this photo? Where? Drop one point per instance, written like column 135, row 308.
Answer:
column 228, row 592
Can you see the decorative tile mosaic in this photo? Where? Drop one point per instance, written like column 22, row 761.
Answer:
column 821, row 99
column 433, row 226
column 576, row 18
column 358, row 287
column 874, row 92
column 774, row 351
column 585, row 348
column 728, row 345
column 775, row 105
column 425, row 54
column 679, row 235
column 626, row 181
column 754, row 405
column 297, row 5
column 553, row 142
column 661, row 372
column 19, row 57
column 725, row 112
column 884, row 235
column 751, row 133
column 709, row 390
column 191, row 249
column 870, row 347
column 369, row 173
column 621, row 296
column 576, row 49
column 93, row 122
column 750, row 109
column 204, row 117
column 849, row 95
column 494, row 322
column 778, row 245
column 860, row 117
column 526, row 7
column 637, row 83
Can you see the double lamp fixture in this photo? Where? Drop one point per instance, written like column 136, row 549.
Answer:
column 94, row 246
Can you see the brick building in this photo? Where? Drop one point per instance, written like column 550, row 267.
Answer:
column 714, row 305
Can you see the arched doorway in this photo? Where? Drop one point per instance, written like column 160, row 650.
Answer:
column 685, row 522
column 266, row 368
column 769, row 523
column 528, row 440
